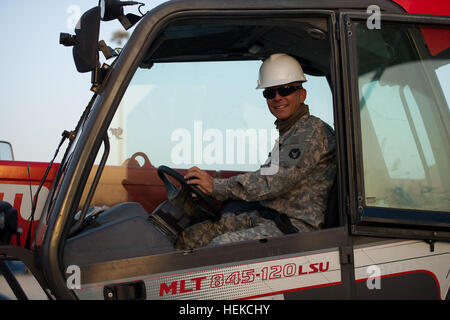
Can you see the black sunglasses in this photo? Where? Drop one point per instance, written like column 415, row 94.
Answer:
column 282, row 91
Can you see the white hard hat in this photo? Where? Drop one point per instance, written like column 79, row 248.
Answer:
column 279, row 69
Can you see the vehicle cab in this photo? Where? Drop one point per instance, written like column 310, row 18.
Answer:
column 182, row 93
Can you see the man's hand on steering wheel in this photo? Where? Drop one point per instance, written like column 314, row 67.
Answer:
column 190, row 189
column 201, row 179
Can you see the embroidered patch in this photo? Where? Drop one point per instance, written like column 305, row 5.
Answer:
column 294, row 153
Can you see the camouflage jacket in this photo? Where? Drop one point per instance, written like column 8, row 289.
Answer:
column 296, row 178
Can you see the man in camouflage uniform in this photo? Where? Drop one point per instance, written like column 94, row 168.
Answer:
column 289, row 193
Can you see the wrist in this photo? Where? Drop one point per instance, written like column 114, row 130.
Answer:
column 220, row 189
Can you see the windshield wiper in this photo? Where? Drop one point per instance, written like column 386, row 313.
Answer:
column 65, row 135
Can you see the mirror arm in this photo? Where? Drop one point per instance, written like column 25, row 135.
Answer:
column 67, row 39
column 107, row 51
column 98, row 75
column 129, row 20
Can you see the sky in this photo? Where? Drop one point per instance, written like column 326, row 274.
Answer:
column 42, row 94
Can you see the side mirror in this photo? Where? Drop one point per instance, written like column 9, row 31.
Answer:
column 6, row 151
column 113, row 9
column 110, row 9
column 85, row 50
column 85, row 42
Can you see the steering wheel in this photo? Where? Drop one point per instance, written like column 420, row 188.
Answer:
column 184, row 194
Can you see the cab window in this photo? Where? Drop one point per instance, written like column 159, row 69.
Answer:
column 403, row 76
column 206, row 114
column 193, row 102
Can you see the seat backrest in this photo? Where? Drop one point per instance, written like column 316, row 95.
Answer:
column 332, row 212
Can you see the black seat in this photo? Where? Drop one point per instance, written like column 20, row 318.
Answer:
column 332, row 212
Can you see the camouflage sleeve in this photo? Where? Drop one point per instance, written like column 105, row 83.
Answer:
column 298, row 155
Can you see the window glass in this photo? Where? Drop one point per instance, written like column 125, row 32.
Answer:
column 443, row 73
column 403, row 85
column 206, row 114
column 6, row 151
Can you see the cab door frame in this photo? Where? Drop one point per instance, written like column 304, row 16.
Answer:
column 359, row 223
